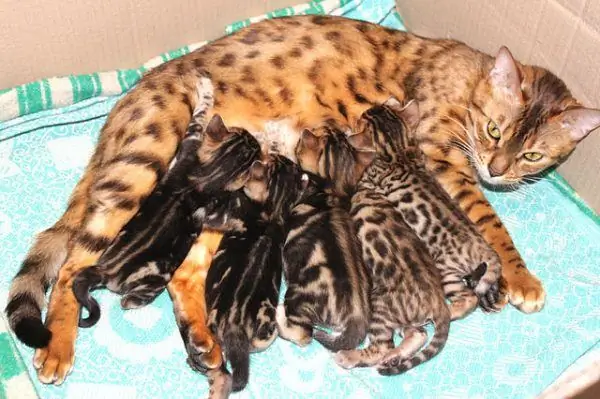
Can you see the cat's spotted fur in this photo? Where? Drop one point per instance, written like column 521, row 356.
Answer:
column 306, row 69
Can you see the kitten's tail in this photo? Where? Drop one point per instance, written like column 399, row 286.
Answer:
column 437, row 343
column 85, row 281
column 350, row 338
column 237, row 348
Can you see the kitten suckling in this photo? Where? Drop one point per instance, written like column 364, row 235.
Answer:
column 406, row 289
column 243, row 282
column 327, row 283
column 452, row 239
column 142, row 259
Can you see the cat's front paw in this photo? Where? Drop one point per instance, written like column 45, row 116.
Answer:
column 493, row 300
column 525, row 292
column 347, row 359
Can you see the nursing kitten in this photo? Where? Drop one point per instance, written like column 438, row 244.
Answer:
column 142, row 259
column 327, row 283
column 452, row 239
column 406, row 289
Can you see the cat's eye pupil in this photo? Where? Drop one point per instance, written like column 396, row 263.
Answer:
column 493, row 130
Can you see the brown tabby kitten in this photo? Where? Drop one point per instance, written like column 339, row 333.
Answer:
column 507, row 119
column 327, row 283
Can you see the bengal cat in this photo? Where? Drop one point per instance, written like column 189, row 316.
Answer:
column 484, row 118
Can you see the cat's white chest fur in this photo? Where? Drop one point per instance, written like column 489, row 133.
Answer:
column 279, row 137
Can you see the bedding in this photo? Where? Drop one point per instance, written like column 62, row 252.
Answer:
column 47, row 134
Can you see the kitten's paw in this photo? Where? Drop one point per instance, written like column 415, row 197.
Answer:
column 526, row 293
column 493, row 300
column 461, row 307
column 55, row 362
column 204, row 362
column 291, row 332
column 347, row 359
column 199, row 341
column 390, row 360
column 219, row 382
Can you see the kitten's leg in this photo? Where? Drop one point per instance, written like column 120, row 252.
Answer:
column 413, row 340
column 381, row 341
column 293, row 328
column 219, row 383
column 187, row 293
column 266, row 329
column 524, row 290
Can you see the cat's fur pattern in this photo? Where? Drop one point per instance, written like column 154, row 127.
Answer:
column 142, row 259
column 452, row 239
column 308, row 69
column 243, row 282
column 407, row 291
column 327, row 283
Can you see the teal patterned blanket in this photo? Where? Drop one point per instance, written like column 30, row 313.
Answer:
column 138, row 353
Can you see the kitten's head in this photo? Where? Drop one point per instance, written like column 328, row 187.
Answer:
column 279, row 185
column 226, row 211
column 225, row 155
column 389, row 128
column 331, row 156
column 522, row 120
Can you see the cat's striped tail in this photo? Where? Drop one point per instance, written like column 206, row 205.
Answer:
column 237, row 349
column 437, row 343
column 27, row 296
column 85, row 281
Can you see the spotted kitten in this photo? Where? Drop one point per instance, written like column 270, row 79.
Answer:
column 142, row 259
column 452, row 239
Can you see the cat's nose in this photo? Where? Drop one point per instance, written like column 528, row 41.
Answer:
column 498, row 166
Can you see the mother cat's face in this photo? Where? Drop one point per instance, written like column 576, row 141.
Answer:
column 523, row 120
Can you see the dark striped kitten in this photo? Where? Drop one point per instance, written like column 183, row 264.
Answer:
column 407, row 291
column 244, row 279
column 142, row 259
column 327, row 283
column 461, row 253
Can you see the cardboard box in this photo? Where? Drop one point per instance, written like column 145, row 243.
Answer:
column 560, row 35
column 40, row 39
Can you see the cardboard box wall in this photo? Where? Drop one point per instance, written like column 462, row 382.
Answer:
column 561, row 35
column 41, row 38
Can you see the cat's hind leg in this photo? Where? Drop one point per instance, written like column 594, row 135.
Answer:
column 292, row 327
column 381, row 341
column 413, row 340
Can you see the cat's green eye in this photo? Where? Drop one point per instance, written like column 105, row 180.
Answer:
column 533, row 156
column 493, row 130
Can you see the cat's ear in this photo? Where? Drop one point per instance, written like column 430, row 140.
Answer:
column 505, row 75
column 216, row 129
column 365, row 157
column 410, row 115
column 393, row 103
column 309, row 140
column 580, row 122
column 361, row 140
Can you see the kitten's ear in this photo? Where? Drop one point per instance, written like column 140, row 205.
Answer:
column 361, row 140
column 365, row 157
column 410, row 114
column 580, row 121
column 393, row 103
column 309, row 140
column 505, row 74
column 216, row 129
